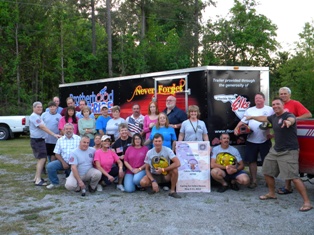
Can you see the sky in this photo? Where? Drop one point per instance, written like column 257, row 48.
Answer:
column 290, row 16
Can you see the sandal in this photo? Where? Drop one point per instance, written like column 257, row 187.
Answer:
column 283, row 190
column 267, row 197
column 252, row 185
column 305, row 208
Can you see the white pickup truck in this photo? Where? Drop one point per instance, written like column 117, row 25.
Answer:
column 13, row 126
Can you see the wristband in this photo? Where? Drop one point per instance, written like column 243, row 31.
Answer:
column 153, row 180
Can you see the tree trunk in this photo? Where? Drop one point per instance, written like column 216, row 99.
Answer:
column 93, row 28
column 108, row 6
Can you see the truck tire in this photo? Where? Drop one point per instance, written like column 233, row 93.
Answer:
column 4, row 133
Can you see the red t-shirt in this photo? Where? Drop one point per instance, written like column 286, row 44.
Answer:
column 296, row 108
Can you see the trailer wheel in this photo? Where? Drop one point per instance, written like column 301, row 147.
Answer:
column 4, row 133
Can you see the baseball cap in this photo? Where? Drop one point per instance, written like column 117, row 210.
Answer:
column 103, row 106
column 105, row 137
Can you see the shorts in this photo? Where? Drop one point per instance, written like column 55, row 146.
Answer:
column 233, row 176
column 283, row 164
column 50, row 148
column 39, row 148
column 160, row 179
column 252, row 150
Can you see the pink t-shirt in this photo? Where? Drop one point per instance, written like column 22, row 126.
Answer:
column 135, row 157
column 62, row 123
column 106, row 159
column 146, row 123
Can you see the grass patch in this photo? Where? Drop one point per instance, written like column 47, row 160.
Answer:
column 35, row 210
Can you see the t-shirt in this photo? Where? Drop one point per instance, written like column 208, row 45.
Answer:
column 152, row 157
column 106, row 159
column 62, row 122
column 120, row 146
column 51, row 121
column 193, row 131
column 258, row 135
column 135, row 125
column 113, row 127
column 101, row 123
column 83, row 159
column 87, row 124
column 285, row 138
column 232, row 150
column 35, row 132
column 296, row 108
column 135, row 157
column 168, row 134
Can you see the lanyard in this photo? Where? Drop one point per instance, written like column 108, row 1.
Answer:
column 195, row 129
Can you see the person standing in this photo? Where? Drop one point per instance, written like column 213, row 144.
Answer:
column 51, row 120
column 150, row 119
column 64, row 147
column 87, row 125
column 175, row 115
column 82, row 169
column 299, row 111
column 69, row 117
column 70, row 102
column 259, row 141
column 283, row 159
column 193, row 129
column 82, row 105
column 101, row 122
column 135, row 121
column 38, row 133
column 112, row 128
column 56, row 100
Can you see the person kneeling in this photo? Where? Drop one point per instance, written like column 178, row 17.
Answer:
column 227, row 165
column 158, row 167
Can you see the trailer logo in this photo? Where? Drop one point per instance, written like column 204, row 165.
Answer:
column 161, row 90
column 96, row 101
column 238, row 103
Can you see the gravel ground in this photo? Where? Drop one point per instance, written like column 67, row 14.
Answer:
column 115, row 212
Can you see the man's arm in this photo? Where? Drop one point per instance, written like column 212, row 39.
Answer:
column 77, row 176
column 213, row 164
column 45, row 129
column 64, row 164
column 257, row 118
column 236, row 129
column 306, row 115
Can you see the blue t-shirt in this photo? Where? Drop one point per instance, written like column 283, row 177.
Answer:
column 168, row 134
column 101, row 123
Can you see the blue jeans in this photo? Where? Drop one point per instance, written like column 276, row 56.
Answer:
column 53, row 168
column 132, row 180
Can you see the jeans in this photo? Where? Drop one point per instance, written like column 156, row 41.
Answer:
column 132, row 180
column 53, row 168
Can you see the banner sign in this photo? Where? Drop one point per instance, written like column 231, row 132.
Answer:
column 194, row 172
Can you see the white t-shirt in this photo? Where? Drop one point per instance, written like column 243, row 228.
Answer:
column 113, row 127
column 258, row 135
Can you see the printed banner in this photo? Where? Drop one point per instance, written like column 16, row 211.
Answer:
column 194, row 172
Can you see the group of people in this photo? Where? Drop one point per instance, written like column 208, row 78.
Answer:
column 139, row 152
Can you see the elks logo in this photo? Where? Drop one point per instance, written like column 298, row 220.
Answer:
column 238, row 103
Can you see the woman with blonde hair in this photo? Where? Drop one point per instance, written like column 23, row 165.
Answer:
column 193, row 129
column 162, row 127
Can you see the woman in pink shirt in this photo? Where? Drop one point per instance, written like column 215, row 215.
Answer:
column 104, row 161
column 150, row 119
column 69, row 117
column 134, row 162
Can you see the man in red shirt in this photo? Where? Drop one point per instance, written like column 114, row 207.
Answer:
column 296, row 108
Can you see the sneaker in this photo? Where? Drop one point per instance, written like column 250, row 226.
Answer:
column 91, row 190
column 165, row 188
column 174, row 195
column 99, row 188
column 120, row 187
column 52, row 186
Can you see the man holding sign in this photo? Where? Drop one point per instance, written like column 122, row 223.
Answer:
column 227, row 165
column 158, row 167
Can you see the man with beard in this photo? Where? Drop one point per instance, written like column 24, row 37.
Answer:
column 64, row 146
column 175, row 115
column 135, row 121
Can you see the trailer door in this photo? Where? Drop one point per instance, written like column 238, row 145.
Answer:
column 176, row 85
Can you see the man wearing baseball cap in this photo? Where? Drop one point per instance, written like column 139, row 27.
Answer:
column 102, row 120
